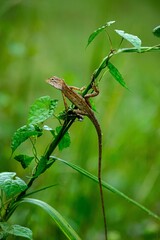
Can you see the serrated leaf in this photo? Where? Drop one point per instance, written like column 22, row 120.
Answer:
column 116, row 74
column 56, row 216
column 134, row 40
column 97, row 31
column 10, row 184
column 23, row 133
column 15, row 230
column 156, row 31
column 24, row 160
column 42, row 109
column 65, row 141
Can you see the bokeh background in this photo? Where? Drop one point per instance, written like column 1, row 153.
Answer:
column 39, row 39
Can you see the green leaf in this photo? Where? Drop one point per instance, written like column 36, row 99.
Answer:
column 65, row 141
column 41, row 189
column 156, row 31
column 10, row 184
column 23, row 133
column 56, row 216
column 97, row 31
column 116, row 74
column 24, row 160
column 42, row 109
column 134, row 40
column 15, row 230
column 108, row 186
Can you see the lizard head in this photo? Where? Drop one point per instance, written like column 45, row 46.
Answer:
column 55, row 82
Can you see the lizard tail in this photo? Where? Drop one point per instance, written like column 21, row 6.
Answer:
column 98, row 129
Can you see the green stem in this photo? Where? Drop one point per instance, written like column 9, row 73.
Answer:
column 142, row 49
column 97, row 72
column 67, row 124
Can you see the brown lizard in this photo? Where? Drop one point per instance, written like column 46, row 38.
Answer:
column 83, row 108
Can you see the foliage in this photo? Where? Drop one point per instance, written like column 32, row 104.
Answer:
column 15, row 230
column 14, row 190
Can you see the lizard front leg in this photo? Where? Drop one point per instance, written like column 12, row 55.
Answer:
column 77, row 88
column 65, row 103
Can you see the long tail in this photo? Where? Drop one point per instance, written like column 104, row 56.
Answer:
column 98, row 129
column 100, row 187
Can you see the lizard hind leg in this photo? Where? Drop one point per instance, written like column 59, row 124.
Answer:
column 94, row 93
column 80, row 114
column 91, row 95
column 72, row 113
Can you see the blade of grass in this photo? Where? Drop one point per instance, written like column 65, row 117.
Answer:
column 56, row 216
column 39, row 190
column 109, row 187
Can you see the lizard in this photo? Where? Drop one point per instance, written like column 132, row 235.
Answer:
column 83, row 108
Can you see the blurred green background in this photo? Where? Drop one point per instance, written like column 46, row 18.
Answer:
column 44, row 38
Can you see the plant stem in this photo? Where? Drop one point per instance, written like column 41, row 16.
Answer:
column 67, row 124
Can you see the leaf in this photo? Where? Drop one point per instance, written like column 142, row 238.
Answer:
column 24, row 160
column 10, row 184
column 65, row 141
column 156, row 31
column 108, row 186
column 134, row 40
column 42, row 109
column 96, row 32
column 56, row 216
column 23, row 134
column 41, row 189
column 15, row 230
column 116, row 74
